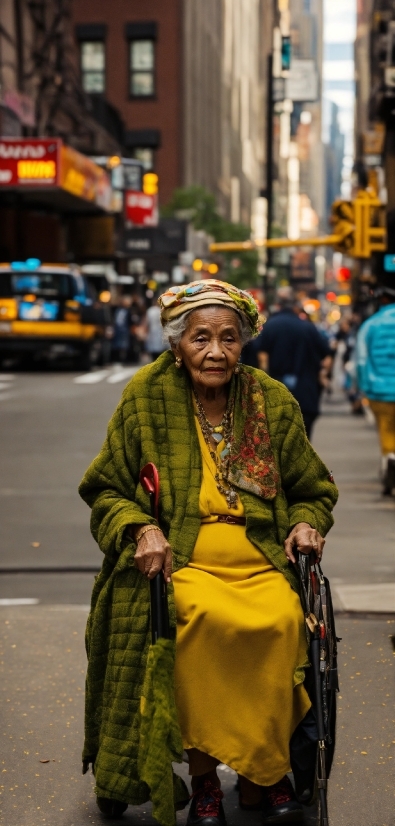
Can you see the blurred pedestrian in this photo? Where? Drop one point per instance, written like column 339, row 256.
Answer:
column 376, row 377
column 346, row 336
column 293, row 351
column 122, row 323
column 154, row 343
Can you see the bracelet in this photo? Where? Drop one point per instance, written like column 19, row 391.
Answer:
column 145, row 530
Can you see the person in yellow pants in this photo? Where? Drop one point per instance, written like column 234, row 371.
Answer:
column 384, row 413
column 376, row 377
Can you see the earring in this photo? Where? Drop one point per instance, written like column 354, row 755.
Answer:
column 178, row 362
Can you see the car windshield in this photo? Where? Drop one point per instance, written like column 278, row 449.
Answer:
column 41, row 284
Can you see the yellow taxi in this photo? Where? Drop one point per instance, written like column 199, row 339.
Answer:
column 52, row 311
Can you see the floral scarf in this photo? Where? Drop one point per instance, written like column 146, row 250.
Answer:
column 251, row 463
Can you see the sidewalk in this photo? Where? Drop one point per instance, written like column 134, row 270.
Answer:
column 43, row 686
column 359, row 556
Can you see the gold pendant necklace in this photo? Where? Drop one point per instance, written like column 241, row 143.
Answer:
column 219, row 433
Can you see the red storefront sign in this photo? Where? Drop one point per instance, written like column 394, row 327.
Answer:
column 29, row 161
column 141, row 209
column 36, row 163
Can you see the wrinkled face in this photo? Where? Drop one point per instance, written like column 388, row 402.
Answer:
column 210, row 346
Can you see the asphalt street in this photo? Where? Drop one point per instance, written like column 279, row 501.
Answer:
column 51, row 426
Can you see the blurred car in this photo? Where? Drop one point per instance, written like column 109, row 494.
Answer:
column 52, row 311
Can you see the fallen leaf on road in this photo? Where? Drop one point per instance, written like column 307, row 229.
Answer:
column 363, row 752
column 44, row 761
column 35, row 544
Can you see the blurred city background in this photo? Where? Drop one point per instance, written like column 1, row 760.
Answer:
column 149, row 144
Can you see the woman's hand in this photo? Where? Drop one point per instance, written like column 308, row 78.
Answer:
column 153, row 554
column 304, row 538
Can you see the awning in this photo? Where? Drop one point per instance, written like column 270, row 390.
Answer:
column 44, row 172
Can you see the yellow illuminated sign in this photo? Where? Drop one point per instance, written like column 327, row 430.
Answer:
column 35, row 170
column 75, row 182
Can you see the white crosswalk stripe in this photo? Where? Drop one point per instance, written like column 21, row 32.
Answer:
column 91, row 378
column 122, row 375
column 112, row 376
column 6, row 384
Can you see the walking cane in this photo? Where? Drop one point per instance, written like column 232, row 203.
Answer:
column 149, row 480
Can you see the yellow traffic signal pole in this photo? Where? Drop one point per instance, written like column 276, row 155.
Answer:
column 275, row 243
column 359, row 224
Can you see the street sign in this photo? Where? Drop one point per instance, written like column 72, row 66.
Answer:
column 141, row 210
column 169, row 238
column 302, row 83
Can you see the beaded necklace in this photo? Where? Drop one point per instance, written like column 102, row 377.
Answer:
column 217, row 433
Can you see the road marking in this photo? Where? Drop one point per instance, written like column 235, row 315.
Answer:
column 121, row 375
column 69, row 607
column 5, row 386
column 114, row 375
column 21, row 601
column 91, row 378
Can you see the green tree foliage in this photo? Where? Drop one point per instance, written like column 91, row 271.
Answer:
column 198, row 205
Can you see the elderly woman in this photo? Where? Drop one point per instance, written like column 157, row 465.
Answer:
column 241, row 490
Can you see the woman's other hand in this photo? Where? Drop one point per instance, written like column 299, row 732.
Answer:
column 305, row 539
column 153, row 554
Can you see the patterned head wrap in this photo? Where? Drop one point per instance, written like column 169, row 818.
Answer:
column 178, row 300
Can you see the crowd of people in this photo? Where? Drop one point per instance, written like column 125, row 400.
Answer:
column 137, row 329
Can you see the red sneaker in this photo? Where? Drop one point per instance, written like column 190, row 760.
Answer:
column 280, row 804
column 206, row 807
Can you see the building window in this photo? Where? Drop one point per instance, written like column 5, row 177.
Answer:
column 93, row 65
column 142, row 68
column 146, row 155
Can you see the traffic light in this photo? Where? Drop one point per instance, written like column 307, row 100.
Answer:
column 342, row 220
column 359, row 225
column 370, row 231
column 343, row 274
column 150, row 183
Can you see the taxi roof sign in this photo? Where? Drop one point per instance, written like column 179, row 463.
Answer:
column 29, row 264
column 389, row 263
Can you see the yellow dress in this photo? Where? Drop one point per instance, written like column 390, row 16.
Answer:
column 240, row 638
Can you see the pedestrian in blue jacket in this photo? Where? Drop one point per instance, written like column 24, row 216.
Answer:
column 376, row 377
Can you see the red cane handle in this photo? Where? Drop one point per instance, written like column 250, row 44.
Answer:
column 149, row 479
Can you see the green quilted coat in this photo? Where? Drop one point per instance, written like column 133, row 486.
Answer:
column 154, row 422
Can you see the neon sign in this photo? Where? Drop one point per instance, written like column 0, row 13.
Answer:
column 36, row 170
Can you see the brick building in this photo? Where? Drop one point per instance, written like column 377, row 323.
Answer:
column 187, row 78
